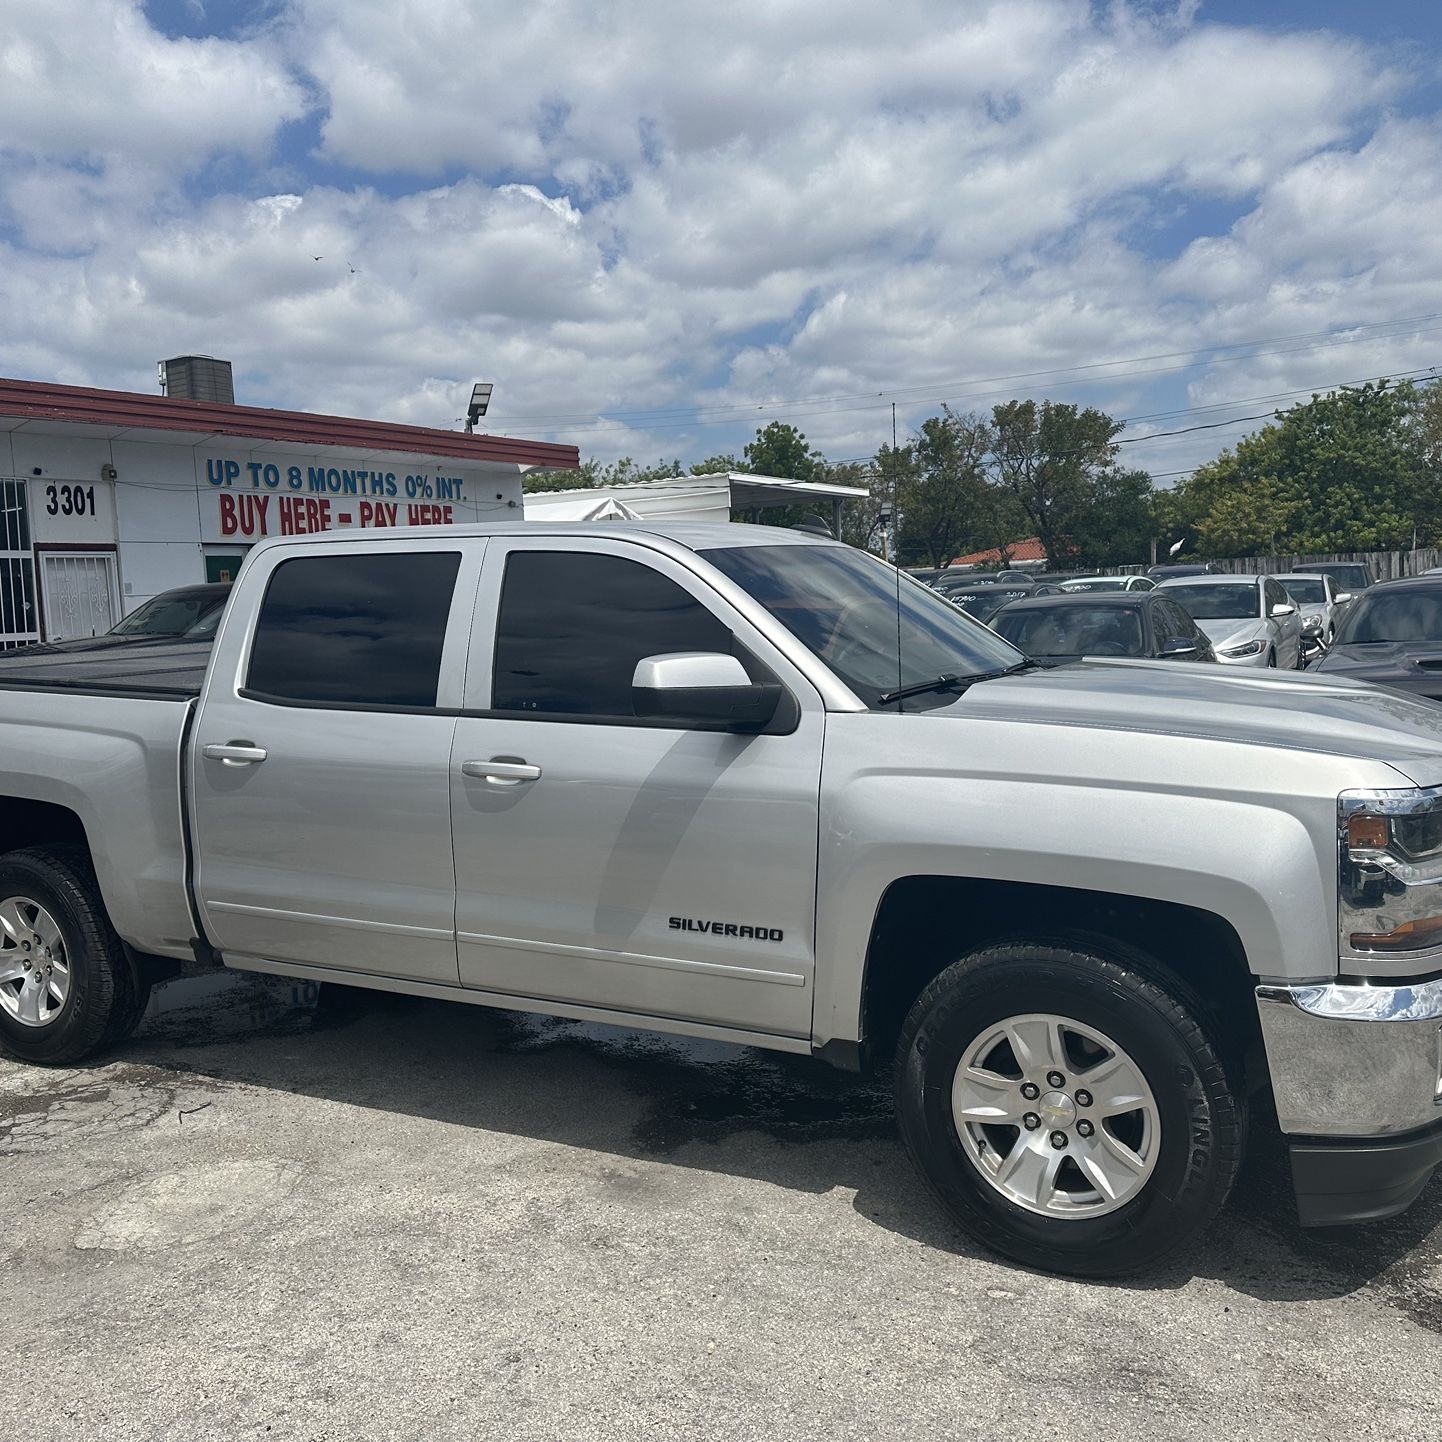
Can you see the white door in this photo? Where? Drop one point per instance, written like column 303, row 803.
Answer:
column 641, row 866
column 81, row 591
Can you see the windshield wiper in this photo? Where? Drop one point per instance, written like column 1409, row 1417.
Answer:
column 951, row 681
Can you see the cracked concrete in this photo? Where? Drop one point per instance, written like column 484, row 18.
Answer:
column 382, row 1218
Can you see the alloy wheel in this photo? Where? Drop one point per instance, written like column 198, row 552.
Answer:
column 1056, row 1116
column 34, row 965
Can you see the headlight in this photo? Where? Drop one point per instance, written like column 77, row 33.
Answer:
column 1315, row 621
column 1389, row 872
column 1250, row 648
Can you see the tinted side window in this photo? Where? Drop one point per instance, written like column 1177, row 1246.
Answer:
column 1176, row 621
column 354, row 630
column 573, row 626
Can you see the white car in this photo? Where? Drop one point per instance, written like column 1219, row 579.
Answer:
column 1250, row 620
column 1319, row 599
column 1110, row 583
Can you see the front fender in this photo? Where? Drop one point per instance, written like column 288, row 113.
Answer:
column 1245, row 834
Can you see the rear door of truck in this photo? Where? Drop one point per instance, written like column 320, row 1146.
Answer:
column 319, row 770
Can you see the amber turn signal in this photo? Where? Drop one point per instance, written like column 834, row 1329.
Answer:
column 1410, row 936
column 1367, row 833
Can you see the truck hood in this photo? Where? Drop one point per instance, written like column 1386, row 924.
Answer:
column 1309, row 712
column 1411, row 666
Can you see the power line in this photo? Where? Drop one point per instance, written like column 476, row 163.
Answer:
column 654, row 418
column 1219, row 405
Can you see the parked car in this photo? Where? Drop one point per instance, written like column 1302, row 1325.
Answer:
column 1353, row 577
column 1392, row 636
column 188, row 613
column 1250, row 620
column 985, row 601
column 957, row 574
column 1004, row 576
column 1110, row 583
column 1065, row 627
column 732, row 782
column 1319, row 601
column 1167, row 572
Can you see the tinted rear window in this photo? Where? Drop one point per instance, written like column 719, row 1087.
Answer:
column 361, row 630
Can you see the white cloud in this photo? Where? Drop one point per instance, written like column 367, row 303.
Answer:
column 92, row 80
column 610, row 207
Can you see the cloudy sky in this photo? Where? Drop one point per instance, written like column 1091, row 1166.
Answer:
column 656, row 225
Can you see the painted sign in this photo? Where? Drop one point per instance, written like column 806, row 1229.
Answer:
column 256, row 499
column 249, row 517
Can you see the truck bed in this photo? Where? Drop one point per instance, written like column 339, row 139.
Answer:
column 150, row 669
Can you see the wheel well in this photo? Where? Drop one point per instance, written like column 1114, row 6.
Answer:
column 924, row 923
column 24, row 822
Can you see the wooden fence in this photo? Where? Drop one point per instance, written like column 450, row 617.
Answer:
column 1385, row 565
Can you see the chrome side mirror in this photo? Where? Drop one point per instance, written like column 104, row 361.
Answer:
column 1341, row 598
column 700, row 687
column 1178, row 648
column 1283, row 609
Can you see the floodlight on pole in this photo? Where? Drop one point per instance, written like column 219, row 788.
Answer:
column 480, row 403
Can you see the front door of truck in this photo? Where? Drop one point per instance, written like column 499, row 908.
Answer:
column 319, row 762
column 619, row 863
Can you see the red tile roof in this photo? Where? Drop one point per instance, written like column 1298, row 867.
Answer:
column 1028, row 550
column 124, row 410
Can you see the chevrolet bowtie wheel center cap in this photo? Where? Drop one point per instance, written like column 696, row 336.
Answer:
column 1057, row 1110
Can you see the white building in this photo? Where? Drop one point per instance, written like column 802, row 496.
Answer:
column 109, row 497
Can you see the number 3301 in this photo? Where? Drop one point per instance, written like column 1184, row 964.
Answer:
column 69, row 500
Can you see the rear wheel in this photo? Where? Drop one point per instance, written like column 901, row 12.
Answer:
column 1067, row 1109
column 67, row 987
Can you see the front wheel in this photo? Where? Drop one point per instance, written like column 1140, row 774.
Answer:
column 1069, row 1111
column 67, row 987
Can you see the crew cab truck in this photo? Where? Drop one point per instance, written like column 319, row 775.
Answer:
column 738, row 783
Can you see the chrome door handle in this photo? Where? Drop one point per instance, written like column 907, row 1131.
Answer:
column 501, row 769
column 234, row 753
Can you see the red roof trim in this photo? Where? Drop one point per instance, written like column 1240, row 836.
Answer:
column 80, row 405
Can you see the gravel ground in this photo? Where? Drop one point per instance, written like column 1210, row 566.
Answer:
column 383, row 1218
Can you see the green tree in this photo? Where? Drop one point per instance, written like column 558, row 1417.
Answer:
column 1347, row 471
column 1048, row 458
column 1115, row 525
column 781, row 450
column 945, row 499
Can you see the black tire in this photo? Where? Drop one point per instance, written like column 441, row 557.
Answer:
column 107, row 994
column 1154, row 1019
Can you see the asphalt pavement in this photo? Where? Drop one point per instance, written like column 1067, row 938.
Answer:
column 282, row 1213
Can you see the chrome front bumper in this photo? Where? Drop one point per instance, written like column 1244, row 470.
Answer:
column 1358, row 1061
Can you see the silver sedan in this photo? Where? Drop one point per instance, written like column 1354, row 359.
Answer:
column 1250, row 620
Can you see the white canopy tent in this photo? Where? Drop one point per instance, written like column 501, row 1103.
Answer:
column 694, row 498
column 578, row 506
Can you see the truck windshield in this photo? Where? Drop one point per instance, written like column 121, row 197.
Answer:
column 1393, row 616
column 841, row 604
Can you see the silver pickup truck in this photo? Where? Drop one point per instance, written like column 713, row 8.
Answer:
column 737, row 783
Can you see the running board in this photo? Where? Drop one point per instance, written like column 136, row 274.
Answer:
column 503, row 1001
